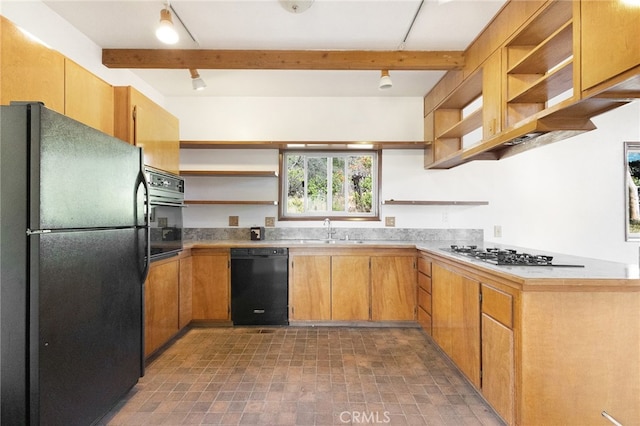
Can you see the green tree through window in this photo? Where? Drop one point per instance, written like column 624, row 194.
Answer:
column 330, row 184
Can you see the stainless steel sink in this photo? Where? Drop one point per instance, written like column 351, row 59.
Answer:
column 327, row 241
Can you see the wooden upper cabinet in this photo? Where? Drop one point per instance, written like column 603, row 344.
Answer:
column 492, row 96
column 141, row 122
column 88, row 99
column 30, row 71
column 539, row 63
column 610, row 32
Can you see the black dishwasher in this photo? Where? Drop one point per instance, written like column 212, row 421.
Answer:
column 260, row 286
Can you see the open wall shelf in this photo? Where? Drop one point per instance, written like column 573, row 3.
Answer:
column 433, row 203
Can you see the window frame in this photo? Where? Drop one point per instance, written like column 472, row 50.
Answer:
column 282, row 180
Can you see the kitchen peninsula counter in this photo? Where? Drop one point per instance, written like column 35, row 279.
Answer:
column 542, row 344
column 595, row 272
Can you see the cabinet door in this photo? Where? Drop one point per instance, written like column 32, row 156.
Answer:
column 29, row 71
column 455, row 304
column 492, row 96
column 609, row 36
column 350, row 282
column 156, row 132
column 186, row 291
column 88, row 99
column 211, row 295
column 142, row 122
column 310, row 287
column 393, row 288
column 161, row 305
column 498, row 376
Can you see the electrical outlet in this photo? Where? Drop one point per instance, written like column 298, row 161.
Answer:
column 234, row 220
column 390, row 221
column 497, row 231
column 270, row 221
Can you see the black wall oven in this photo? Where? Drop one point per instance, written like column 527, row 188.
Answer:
column 166, row 201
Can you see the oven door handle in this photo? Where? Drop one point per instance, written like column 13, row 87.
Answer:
column 160, row 203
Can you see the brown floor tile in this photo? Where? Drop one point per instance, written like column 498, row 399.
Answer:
column 302, row 376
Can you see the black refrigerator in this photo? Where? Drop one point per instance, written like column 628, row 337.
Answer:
column 73, row 255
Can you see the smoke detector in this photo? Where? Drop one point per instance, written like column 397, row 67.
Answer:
column 296, row 6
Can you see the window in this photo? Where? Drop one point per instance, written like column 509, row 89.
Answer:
column 335, row 184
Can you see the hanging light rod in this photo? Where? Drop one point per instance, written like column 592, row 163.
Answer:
column 283, row 59
column 413, row 21
column 183, row 25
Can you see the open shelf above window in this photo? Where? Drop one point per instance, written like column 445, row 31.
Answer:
column 231, row 202
column 301, row 145
column 233, row 173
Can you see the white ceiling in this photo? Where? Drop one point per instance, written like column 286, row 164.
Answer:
column 265, row 24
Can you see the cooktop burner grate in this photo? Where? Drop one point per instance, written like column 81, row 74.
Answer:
column 502, row 256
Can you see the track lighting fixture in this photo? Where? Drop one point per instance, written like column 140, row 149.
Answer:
column 385, row 80
column 196, row 81
column 166, row 32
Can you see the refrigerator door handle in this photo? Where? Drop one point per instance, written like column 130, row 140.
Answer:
column 147, row 226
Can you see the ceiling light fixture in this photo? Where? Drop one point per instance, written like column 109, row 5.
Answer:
column 166, row 32
column 296, row 6
column 385, row 80
column 196, row 81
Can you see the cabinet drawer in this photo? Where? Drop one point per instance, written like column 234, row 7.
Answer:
column 424, row 300
column 424, row 266
column 424, row 282
column 498, row 305
column 424, row 319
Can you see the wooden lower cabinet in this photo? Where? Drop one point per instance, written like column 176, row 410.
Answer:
column 424, row 292
column 498, row 351
column 161, row 304
column 456, row 319
column 580, row 356
column 541, row 352
column 498, row 376
column 310, row 287
column 350, row 283
column 186, row 291
column 211, row 285
column 393, row 288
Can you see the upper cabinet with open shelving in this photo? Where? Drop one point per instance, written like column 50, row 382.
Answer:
column 545, row 68
column 539, row 63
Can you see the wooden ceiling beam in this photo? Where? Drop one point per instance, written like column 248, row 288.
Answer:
column 283, row 59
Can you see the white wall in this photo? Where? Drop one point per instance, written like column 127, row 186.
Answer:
column 565, row 197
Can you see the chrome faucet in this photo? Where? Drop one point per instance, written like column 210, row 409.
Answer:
column 330, row 232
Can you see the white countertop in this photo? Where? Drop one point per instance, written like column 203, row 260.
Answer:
column 594, row 269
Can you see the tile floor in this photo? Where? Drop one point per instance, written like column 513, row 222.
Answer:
column 302, row 376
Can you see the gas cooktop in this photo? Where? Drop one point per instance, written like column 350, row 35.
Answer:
column 510, row 257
